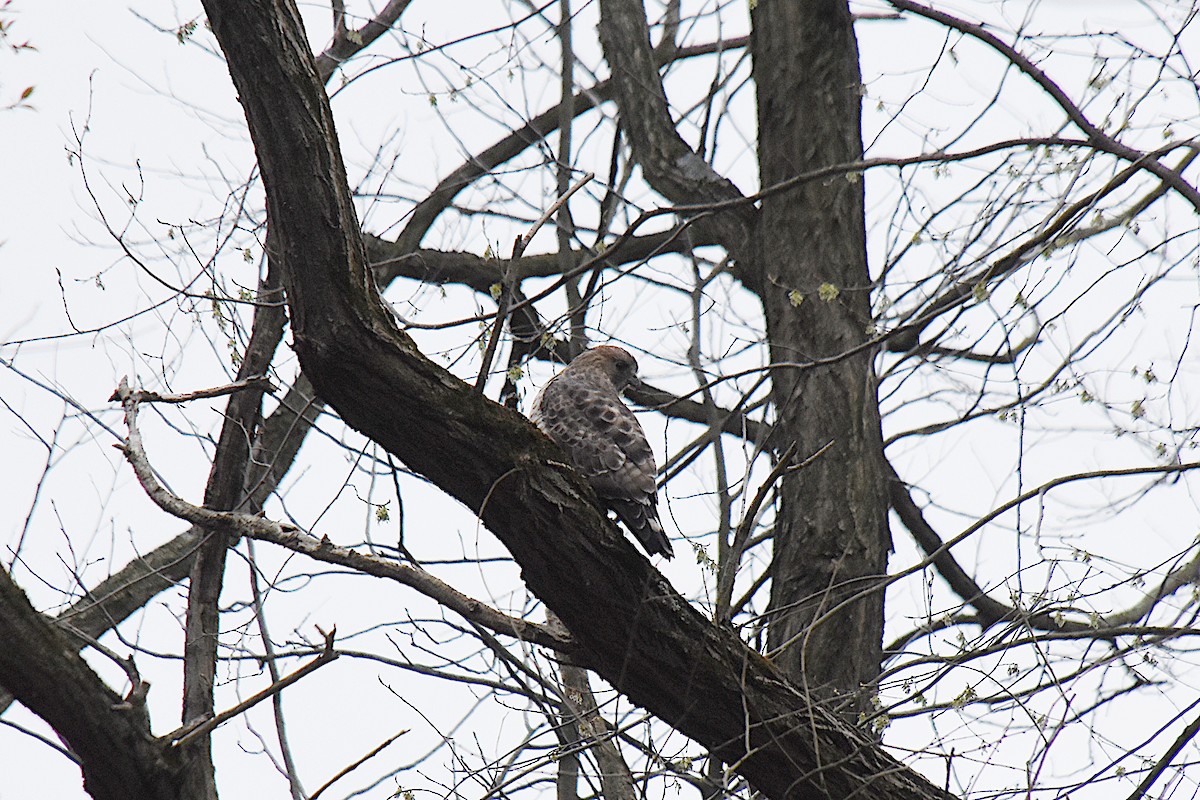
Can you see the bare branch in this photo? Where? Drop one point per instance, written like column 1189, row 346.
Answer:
column 191, row 733
column 343, row 773
column 616, row 781
column 506, row 286
column 347, row 43
column 1097, row 137
column 262, row 383
column 425, row 583
column 728, row 569
column 669, row 165
column 1181, row 741
column 256, row 527
column 515, row 143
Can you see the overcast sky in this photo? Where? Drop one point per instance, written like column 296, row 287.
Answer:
column 158, row 123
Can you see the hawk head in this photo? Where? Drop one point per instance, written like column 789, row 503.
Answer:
column 614, row 363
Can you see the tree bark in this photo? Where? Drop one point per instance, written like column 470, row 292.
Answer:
column 226, row 490
column 668, row 164
column 111, row 738
column 633, row 628
column 831, row 539
column 831, row 535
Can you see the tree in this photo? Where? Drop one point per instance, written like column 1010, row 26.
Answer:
column 963, row 307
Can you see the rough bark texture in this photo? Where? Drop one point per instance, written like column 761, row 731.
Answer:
column 43, row 670
column 633, row 628
column 831, row 536
column 225, row 491
column 668, row 163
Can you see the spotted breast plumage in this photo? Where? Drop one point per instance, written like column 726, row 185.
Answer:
column 581, row 410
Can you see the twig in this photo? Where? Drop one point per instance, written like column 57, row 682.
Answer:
column 271, row 661
column 806, row 463
column 729, row 570
column 524, row 240
column 356, row 765
column 1180, row 742
column 187, row 733
column 141, row 396
column 138, row 689
column 51, row 743
column 504, row 300
column 1096, row 136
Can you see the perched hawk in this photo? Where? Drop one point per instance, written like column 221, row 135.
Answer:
column 581, row 409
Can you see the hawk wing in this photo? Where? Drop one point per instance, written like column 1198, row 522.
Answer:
column 607, row 446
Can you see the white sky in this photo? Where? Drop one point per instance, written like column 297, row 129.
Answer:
column 169, row 108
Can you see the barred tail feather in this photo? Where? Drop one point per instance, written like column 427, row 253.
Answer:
column 641, row 518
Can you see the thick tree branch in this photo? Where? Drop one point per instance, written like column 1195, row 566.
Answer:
column 390, row 260
column 43, row 670
column 632, row 627
column 830, row 537
column 669, row 165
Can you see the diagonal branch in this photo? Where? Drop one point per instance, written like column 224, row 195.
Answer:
column 907, row 336
column 46, row 674
column 194, row 731
column 1100, row 139
column 520, row 140
column 415, row 578
column 114, row 599
column 990, row 611
column 632, row 627
column 669, row 165
column 257, row 527
column 347, row 43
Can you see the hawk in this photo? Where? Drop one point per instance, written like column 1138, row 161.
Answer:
column 581, row 410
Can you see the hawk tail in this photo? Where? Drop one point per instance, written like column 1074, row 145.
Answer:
column 642, row 520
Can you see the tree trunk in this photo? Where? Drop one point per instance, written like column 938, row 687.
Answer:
column 831, row 536
column 633, row 629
